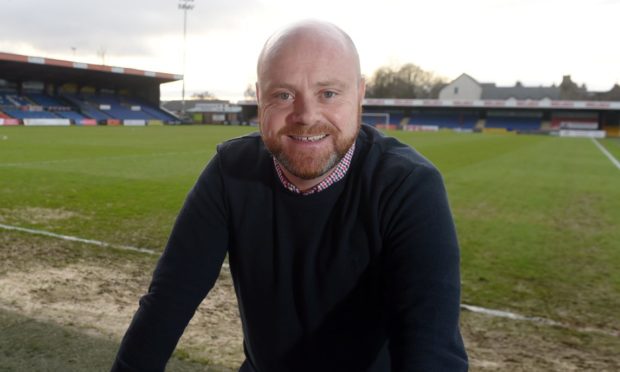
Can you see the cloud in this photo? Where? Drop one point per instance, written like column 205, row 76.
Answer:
column 120, row 27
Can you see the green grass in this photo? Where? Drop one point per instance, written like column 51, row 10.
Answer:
column 612, row 145
column 538, row 217
column 123, row 185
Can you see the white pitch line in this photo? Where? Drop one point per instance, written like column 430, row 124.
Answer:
column 607, row 153
column 507, row 314
column 536, row 319
column 81, row 240
column 86, row 241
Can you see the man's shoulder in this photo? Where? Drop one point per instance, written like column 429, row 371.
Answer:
column 393, row 171
column 246, row 154
column 246, row 147
column 387, row 154
column 240, row 144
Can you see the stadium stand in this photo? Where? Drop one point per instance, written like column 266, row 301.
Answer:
column 44, row 100
column 35, row 89
column 445, row 120
column 108, row 106
column 159, row 114
column 16, row 100
column 514, row 123
column 25, row 114
column 373, row 120
column 112, row 106
column 80, row 106
column 85, row 108
column 517, row 121
column 439, row 119
column 396, row 118
column 74, row 116
column 587, row 121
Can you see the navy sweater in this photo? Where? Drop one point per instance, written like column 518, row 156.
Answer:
column 363, row 276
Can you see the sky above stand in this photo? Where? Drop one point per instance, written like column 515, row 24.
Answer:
column 535, row 42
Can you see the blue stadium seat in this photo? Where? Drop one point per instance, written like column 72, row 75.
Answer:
column 445, row 120
column 19, row 114
column 75, row 116
column 45, row 100
column 519, row 124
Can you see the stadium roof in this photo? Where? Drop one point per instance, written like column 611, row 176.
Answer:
column 16, row 67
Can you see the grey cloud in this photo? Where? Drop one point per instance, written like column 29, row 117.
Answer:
column 119, row 26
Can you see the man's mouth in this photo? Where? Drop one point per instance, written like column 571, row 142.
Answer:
column 309, row 138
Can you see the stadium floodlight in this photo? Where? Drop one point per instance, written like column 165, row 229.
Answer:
column 184, row 5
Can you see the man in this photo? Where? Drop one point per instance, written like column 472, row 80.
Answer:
column 340, row 240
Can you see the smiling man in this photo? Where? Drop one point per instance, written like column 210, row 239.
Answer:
column 340, row 240
column 310, row 92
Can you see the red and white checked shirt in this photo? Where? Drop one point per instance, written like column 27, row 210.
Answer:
column 340, row 170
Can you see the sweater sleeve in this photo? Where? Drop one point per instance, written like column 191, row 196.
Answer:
column 422, row 276
column 185, row 273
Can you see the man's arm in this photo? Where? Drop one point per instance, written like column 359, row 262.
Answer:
column 423, row 280
column 185, row 273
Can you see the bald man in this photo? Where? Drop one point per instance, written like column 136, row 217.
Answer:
column 340, row 240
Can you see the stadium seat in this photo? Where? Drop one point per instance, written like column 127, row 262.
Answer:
column 518, row 124
column 21, row 114
column 445, row 120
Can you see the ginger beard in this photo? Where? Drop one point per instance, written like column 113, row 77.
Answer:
column 311, row 163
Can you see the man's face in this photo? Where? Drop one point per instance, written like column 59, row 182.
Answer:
column 310, row 95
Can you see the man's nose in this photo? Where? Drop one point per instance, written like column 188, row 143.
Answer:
column 305, row 110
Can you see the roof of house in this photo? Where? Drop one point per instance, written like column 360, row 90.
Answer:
column 519, row 92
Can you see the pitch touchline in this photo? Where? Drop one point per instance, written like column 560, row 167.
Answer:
column 85, row 241
column 607, row 153
column 536, row 319
column 76, row 239
column 472, row 308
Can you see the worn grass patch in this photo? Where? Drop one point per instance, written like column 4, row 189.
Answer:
column 63, row 289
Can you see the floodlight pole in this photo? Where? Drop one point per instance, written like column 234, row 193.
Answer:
column 185, row 5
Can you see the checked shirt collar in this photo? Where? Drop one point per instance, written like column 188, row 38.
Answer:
column 340, row 170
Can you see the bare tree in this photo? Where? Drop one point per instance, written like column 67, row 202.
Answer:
column 206, row 95
column 569, row 90
column 250, row 92
column 408, row 81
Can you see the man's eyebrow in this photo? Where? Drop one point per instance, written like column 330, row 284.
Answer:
column 275, row 86
column 332, row 83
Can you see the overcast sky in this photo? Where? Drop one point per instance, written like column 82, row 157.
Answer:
column 502, row 41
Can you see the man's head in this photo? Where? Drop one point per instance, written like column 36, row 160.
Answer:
column 309, row 93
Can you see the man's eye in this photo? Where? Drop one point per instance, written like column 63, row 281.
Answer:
column 329, row 94
column 284, row 96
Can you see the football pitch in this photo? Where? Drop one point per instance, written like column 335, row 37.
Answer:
column 538, row 219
